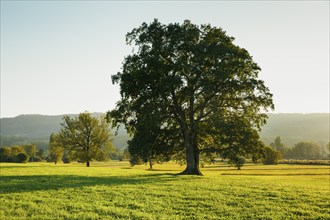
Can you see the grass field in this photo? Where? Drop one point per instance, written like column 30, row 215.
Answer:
column 113, row 190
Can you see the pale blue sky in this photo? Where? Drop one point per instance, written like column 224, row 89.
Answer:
column 57, row 57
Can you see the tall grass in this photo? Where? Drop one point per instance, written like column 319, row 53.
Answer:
column 115, row 191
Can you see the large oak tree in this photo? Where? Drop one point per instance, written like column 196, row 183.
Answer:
column 200, row 91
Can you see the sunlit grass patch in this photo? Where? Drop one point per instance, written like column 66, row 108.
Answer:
column 114, row 190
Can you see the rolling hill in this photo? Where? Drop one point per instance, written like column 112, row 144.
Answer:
column 36, row 129
column 292, row 128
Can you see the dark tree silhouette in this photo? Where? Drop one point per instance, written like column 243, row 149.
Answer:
column 194, row 80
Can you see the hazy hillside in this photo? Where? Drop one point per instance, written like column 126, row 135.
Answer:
column 33, row 126
column 37, row 129
column 291, row 127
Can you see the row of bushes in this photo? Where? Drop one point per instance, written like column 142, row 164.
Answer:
column 20, row 154
column 19, row 158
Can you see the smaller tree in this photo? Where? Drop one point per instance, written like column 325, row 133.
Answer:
column 40, row 153
column 30, row 150
column 271, row 156
column 116, row 154
column 56, row 151
column 237, row 161
column 126, row 155
column 85, row 137
column 66, row 156
column 327, row 154
column 279, row 146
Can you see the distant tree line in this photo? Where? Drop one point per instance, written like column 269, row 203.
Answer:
column 137, row 155
column 301, row 150
column 6, row 141
column 139, row 152
column 21, row 154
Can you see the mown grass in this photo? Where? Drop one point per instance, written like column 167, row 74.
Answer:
column 113, row 190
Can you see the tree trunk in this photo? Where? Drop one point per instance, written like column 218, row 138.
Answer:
column 150, row 163
column 192, row 156
column 55, row 162
column 87, row 164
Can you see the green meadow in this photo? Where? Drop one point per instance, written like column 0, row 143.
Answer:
column 114, row 190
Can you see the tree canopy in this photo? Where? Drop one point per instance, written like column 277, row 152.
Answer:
column 305, row 150
column 85, row 137
column 30, row 150
column 56, row 150
column 192, row 90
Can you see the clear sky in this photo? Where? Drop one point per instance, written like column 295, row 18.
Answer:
column 57, row 57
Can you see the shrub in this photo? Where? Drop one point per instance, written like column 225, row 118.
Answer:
column 135, row 160
column 22, row 158
column 66, row 160
column 271, row 156
column 5, row 153
column 237, row 161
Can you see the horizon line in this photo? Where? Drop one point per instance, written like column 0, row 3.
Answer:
column 96, row 112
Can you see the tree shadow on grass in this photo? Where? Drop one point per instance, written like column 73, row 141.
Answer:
column 163, row 170
column 17, row 184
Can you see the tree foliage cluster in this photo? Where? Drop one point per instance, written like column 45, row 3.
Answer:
column 188, row 89
column 55, row 151
column 304, row 150
column 301, row 150
column 83, row 138
column 271, row 156
column 21, row 154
